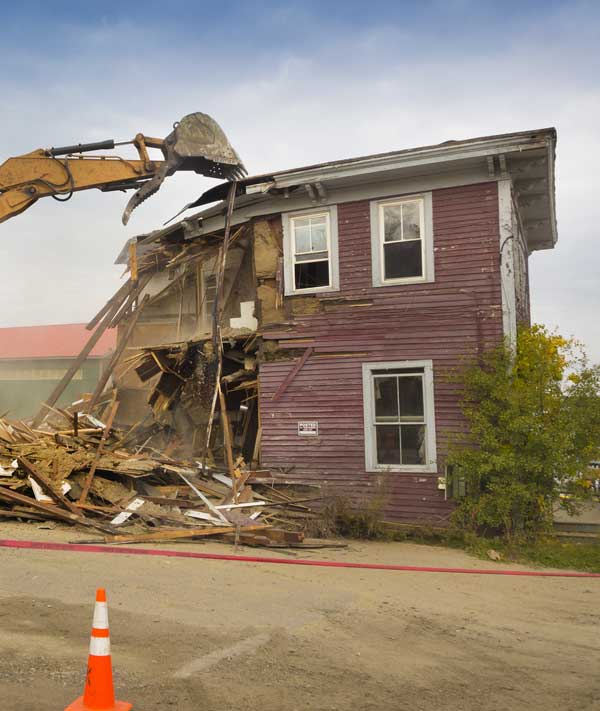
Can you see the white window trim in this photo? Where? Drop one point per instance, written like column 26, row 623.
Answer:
column 430, row 467
column 288, row 250
column 507, row 272
column 426, row 240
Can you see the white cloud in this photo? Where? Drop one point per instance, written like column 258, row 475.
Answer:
column 366, row 90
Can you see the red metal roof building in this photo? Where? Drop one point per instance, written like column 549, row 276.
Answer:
column 33, row 359
column 57, row 341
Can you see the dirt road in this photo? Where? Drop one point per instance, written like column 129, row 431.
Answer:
column 195, row 634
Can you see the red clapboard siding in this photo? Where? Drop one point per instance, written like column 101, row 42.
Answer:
column 444, row 321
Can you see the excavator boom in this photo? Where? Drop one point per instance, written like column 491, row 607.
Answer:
column 196, row 143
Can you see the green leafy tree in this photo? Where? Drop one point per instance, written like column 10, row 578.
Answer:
column 533, row 415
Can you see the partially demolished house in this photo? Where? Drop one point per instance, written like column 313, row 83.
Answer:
column 340, row 296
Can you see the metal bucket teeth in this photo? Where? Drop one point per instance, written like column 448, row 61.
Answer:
column 197, row 143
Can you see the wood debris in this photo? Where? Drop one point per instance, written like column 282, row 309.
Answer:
column 90, row 479
column 189, row 467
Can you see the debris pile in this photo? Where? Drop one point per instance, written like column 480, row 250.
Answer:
column 80, row 470
column 186, row 462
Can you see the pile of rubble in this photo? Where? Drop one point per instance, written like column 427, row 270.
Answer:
column 188, row 467
column 77, row 469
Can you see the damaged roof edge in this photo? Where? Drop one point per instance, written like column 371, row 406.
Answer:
column 255, row 187
column 485, row 145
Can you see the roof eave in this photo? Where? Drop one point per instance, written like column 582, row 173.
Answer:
column 255, row 189
column 408, row 159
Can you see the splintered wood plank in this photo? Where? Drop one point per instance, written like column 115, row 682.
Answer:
column 125, row 308
column 49, row 509
column 53, row 511
column 75, row 365
column 133, row 262
column 227, row 439
column 117, row 355
column 293, row 373
column 46, row 485
column 105, row 433
column 118, row 296
column 203, row 498
column 30, row 515
column 177, row 533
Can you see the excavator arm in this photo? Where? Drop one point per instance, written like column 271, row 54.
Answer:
column 25, row 179
column 196, row 143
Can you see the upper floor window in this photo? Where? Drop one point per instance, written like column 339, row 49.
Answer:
column 402, row 240
column 310, row 251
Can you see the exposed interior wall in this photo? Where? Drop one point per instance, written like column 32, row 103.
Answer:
column 181, row 314
column 186, row 417
column 268, row 255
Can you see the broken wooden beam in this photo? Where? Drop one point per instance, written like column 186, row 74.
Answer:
column 21, row 512
column 119, row 295
column 227, row 439
column 178, row 533
column 46, row 485
column 75, row 365
column 292, row 374
column 53, row 511
column 130, row 300
column 116, row 355
column 105, row 433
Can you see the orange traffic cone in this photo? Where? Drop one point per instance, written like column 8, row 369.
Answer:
column 99, row 694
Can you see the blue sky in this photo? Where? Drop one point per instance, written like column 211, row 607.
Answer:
column 291, row 83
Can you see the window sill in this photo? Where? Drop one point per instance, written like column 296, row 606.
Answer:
column 400, row 282
column 309, row 292
column 408, row 469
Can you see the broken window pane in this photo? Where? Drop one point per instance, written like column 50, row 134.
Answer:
column 392, row 223
column 310, row 275
column 403, row 260
column 386, row 399
column 388, row 444
column 411, row 220
column 413, row 444
column 411, row 398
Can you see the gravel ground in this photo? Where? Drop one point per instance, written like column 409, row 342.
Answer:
column 195, row 634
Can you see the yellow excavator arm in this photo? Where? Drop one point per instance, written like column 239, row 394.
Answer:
column 196, row 143
column 25, row 179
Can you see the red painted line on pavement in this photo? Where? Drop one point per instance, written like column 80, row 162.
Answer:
column 88, row 548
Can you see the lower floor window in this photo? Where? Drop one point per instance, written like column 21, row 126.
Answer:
column 399, row 416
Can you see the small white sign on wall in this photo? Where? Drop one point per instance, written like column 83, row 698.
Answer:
column 308, row 429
